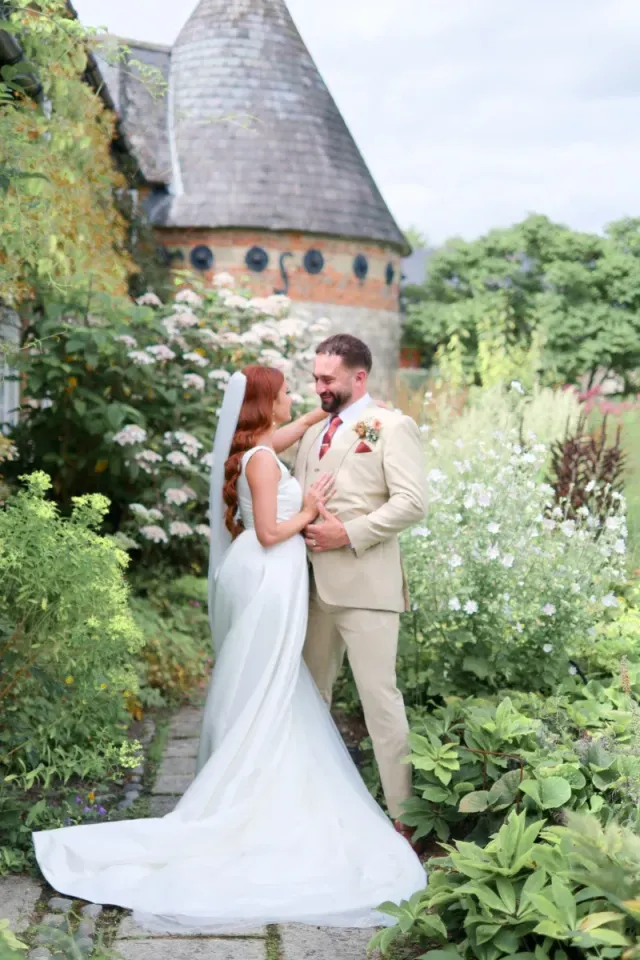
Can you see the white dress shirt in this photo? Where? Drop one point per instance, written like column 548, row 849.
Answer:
column 349, row 415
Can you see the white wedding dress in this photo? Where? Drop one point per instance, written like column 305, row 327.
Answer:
column 278, row 825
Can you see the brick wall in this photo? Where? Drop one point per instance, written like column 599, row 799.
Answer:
column 336, row 283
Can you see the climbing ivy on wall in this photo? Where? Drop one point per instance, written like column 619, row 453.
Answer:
column 61, row 230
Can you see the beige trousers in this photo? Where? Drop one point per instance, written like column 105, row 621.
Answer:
column 370, row 638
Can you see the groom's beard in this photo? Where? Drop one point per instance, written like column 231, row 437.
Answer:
column 332, row 402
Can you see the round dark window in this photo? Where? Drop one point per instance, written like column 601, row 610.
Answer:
column 257, row 259
column 389, row 274
column 201, row 258
column 313, row 261
column 360, row 266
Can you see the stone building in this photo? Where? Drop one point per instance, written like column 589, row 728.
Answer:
column 248, row 167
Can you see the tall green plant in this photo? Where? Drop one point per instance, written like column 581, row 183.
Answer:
column 67, row 639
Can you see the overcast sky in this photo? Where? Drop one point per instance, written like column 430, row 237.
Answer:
column 470, row 113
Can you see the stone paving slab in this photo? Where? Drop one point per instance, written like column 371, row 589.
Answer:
column 182, row 748
column 186, row 724
column 179, row 948
column 174, row 785
column 18, row 897
column 162, row 805
column 302, row 942
column 128, row 930
column 178, row 766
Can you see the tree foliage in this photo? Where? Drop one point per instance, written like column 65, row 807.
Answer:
column 537, row 297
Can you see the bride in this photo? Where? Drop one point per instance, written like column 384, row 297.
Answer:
column 278, row 826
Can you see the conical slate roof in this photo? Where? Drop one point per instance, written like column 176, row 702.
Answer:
column 256, row 140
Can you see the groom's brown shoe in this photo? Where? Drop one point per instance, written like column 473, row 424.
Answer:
column 407, row 832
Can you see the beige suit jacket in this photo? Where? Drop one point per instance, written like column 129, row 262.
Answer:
column 378, row 495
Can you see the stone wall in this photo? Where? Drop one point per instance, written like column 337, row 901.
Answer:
column 380, row 329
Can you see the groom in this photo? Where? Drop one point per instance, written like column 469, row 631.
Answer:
column 358, row 588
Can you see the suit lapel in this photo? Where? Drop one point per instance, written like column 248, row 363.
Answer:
column 306, row 451
column 343, row 443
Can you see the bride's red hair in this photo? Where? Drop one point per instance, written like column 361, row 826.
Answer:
column 256, row 419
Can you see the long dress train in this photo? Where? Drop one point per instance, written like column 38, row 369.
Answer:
column 278, row 825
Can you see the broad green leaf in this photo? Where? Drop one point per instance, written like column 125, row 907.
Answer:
column 505, row 790
column 487, row 931
column 435, row 794
column 547, row 908
column 548, row 793
column 476, row 802
column 612, row 937
column 507, row 893
column 478, row 666
column 565, row 901
column 593, row 920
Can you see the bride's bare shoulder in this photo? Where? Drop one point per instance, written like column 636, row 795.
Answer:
column 261, row 464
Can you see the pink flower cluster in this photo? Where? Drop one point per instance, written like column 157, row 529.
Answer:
column 594, row 399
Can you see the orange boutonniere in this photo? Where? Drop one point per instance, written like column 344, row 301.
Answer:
column 368, row 430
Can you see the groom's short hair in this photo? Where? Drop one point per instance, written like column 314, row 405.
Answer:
column 353, row 351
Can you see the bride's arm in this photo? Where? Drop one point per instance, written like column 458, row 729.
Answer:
column 286, row 436
column 263, row 475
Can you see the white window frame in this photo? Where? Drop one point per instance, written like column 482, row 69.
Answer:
column 9, row 388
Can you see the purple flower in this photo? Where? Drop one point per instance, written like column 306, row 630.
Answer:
column 101, row 811
column 78, row 798
column 67, row 822
column 88, row 810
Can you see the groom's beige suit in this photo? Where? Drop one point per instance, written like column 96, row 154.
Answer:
column 359, row 591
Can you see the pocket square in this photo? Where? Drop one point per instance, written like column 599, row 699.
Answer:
column 363, row 448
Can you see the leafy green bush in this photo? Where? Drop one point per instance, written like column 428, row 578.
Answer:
column 502, row 581
column 67, row 655
column 532, row 893
column 175, row 659
column 475, row 760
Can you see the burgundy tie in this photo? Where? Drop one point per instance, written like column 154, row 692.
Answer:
column 328, row 437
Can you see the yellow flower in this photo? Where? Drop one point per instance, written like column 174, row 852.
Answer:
column 69, row 679
column 103, row 686
column 92, row 797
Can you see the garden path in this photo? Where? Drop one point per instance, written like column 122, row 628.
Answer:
column 19, row 897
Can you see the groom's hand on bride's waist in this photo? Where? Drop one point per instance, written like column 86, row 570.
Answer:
column 327, row 534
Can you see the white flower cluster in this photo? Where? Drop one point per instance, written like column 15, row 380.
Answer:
column 130, row 435
column 189, row 351
column 500, row 551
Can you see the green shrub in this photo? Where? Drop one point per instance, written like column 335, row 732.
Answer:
column 67, row 656
column 533, row 893
column 175, row 659
column 476, row 759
